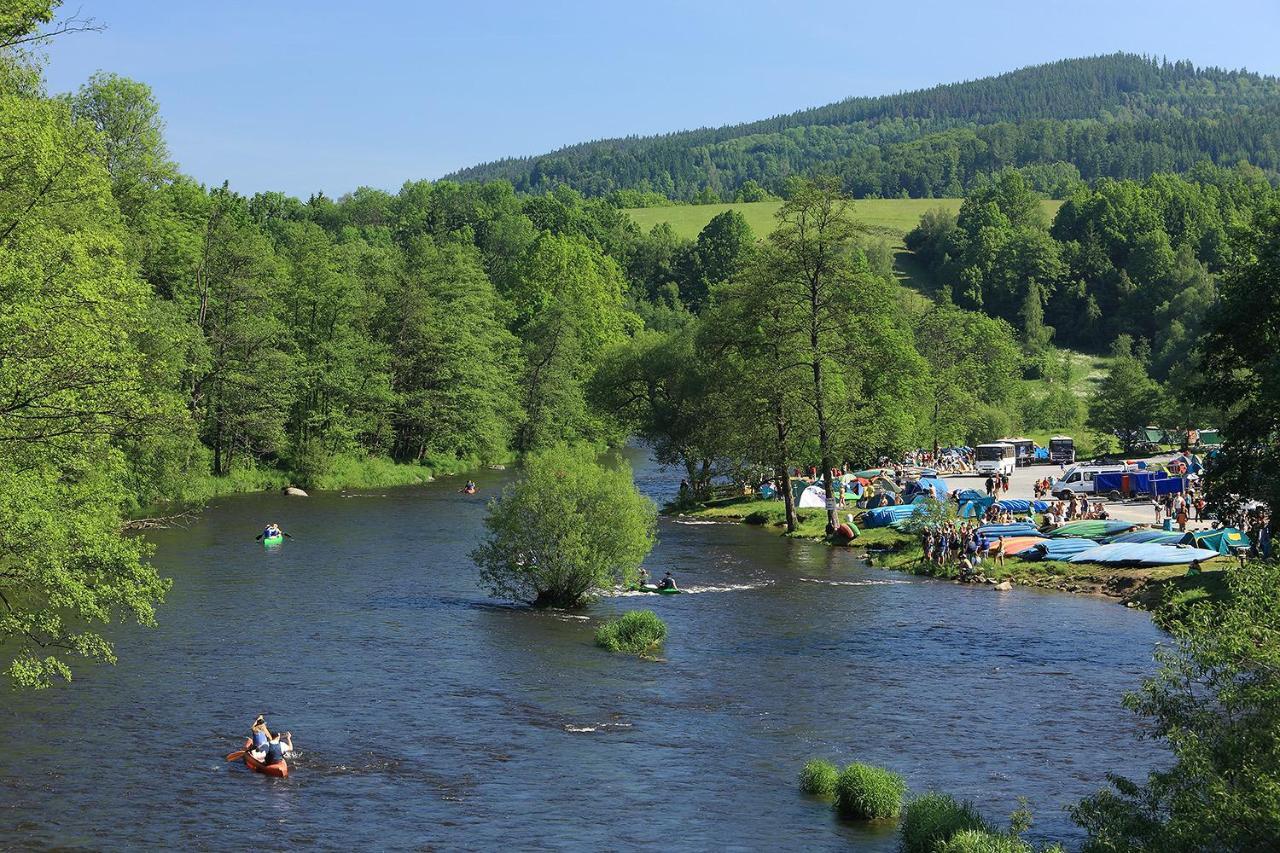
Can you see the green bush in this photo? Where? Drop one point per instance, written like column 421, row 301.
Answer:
column 638, row 632
column 819, row 778
column 866, row 792
column 982, row 841
column 932, row 819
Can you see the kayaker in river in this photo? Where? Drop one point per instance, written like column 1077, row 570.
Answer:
column 642, row 577
column 668, row 582
column 470, row 488
column 272, row 530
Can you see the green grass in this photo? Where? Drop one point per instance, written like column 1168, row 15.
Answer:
column 886, row 218
column 866, row 792
column 980, row 841
column 931, row 820
column 818, row 778
column 892, row 217
column 638, row 632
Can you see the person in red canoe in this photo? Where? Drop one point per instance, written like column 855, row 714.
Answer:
column 268, row 748
column 261, row 734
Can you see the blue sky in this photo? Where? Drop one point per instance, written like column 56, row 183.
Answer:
column 305, row 96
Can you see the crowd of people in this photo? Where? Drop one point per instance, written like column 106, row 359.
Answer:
column 959, row 544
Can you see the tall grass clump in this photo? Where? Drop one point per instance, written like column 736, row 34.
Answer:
column 638, row 632
column 818, row 778
column 981, row 841
column 931, row 820
column 866, row 792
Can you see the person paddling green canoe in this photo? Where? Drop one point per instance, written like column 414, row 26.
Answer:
column 272, row 534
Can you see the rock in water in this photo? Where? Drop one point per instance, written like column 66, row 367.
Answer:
column 294, row 491
column 1003, row 586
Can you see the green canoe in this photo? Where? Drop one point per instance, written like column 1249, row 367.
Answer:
column 273, row 540
column 654, row 589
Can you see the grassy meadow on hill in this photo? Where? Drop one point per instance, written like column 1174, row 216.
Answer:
column 890, row 217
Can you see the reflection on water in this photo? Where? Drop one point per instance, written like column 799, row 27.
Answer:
column 427, row 715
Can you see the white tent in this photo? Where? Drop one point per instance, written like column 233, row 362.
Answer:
column 814, row 497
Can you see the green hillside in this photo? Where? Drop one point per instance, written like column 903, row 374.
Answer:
column 890, row 217
column 1119, row 116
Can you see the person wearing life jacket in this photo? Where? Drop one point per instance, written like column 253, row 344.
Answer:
column 667, row 582
column 261, row 734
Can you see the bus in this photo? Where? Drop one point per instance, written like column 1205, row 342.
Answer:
column 1062, row 450
column 995, row 458
column 1024, row 449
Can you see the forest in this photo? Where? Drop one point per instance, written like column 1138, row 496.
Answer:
column 1120, row 116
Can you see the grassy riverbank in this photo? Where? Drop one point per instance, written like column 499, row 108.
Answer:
column 342, row 472
column 892, row 549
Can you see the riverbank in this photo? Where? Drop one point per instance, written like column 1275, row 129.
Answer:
column 1150, row 588
column 343, row 472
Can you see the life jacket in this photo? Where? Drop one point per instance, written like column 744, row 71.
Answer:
column 275, row 754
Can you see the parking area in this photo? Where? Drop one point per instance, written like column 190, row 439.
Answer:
column 1022, row 486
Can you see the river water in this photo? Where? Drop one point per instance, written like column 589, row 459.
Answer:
column 428, row 716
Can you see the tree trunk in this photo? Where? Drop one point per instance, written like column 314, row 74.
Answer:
column 784, row 476
column 788, row 499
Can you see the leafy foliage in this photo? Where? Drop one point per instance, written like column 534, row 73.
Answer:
column 566, row 527
column 1215, row 702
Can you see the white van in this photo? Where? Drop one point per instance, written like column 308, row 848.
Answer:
column 1079, row 478
column 996, row 458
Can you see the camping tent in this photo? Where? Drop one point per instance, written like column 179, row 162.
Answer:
column 813, row 497
column 1222, row 539
column 929, row 485
column 966, row 495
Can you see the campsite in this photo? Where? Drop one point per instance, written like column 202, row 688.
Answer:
column 1126, row 555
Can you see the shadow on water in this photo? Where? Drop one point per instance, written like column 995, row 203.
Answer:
column 428, row 715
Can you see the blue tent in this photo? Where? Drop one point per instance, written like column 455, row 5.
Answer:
column 966, row 495
column 930, row 485
column 1057, row 549
column 1143, row 554
column 975, row 509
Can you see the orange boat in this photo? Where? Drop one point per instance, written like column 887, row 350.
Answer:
column 280, row 769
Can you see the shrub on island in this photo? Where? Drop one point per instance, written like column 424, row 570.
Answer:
column 818, row 778
column 866, row 792
column 638, row 632
column 932, row 820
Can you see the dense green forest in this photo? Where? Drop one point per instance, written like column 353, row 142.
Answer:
column 1120, row 116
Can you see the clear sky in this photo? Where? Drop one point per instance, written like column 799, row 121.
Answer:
column 306, row 95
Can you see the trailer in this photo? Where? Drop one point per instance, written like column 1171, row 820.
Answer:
column 1131, row 484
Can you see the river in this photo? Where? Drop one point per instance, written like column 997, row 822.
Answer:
column 427, row 715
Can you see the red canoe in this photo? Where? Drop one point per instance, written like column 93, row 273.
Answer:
column 280, row 769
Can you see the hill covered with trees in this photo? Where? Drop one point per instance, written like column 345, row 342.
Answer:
column 1121, row 116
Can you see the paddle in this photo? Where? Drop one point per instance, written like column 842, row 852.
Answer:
column 237, row 755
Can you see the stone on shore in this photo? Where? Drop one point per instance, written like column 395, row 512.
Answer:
column 294, row 491
column 1003, row 586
